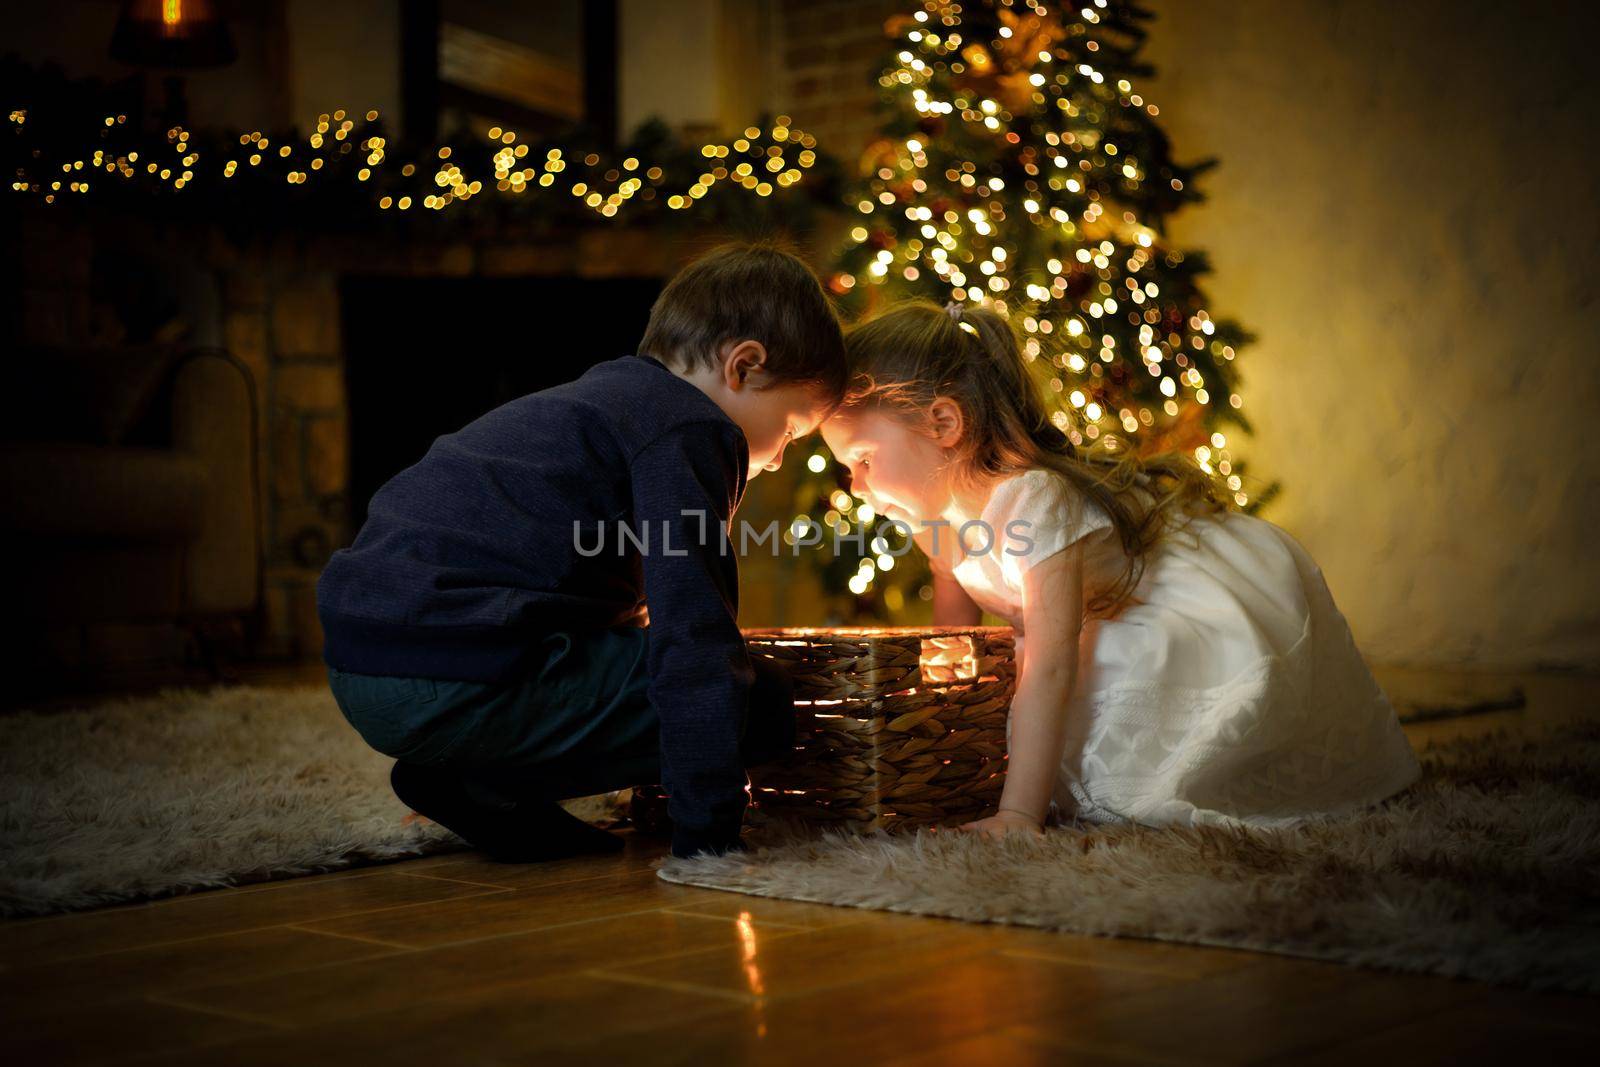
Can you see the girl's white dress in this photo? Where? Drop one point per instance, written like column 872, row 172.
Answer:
column 1228, row 691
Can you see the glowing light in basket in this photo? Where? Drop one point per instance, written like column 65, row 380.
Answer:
column 945, row 659
column 949, row 660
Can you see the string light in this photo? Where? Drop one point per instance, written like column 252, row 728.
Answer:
column 762, row 162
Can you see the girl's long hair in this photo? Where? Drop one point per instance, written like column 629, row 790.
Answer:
column 916, row 351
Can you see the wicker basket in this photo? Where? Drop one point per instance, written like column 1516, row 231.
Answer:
column 898, row 727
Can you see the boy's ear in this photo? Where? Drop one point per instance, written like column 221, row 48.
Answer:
column 742, row 360
column 946, row 421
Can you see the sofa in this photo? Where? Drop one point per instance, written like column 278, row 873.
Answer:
column 130, row 481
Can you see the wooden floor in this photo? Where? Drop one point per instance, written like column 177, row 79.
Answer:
column 454, row 960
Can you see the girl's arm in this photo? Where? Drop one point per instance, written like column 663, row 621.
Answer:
column 951, row 604
column 1052, row 614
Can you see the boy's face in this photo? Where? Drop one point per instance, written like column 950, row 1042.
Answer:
column 770, row 414
column 772, row 417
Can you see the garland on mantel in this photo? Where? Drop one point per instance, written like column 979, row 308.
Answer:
column 71, row 144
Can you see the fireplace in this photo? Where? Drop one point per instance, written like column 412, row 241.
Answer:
column 367, row 350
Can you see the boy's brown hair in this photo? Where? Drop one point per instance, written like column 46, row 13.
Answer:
column 751, row 292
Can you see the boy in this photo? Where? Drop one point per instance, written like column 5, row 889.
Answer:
column 475, row 633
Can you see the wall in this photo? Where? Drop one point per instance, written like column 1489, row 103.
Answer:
column 1406, row 214
column 343, row 56
column 698, row 65
column 653, row 41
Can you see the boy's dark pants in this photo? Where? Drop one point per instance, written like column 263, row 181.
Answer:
column 576, row 722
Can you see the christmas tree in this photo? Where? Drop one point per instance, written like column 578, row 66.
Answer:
column 1020, row 168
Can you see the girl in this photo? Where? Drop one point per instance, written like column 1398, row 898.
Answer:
column 1179, row 663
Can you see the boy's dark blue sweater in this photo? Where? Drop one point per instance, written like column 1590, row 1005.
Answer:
column 468, row 556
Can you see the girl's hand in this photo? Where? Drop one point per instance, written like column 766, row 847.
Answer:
column 1003, row 823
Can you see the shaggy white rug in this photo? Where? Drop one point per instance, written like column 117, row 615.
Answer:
column 192, row 789
column 1488, row 868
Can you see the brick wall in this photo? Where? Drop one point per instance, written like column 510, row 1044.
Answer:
column 284, row 323
column 832, row 52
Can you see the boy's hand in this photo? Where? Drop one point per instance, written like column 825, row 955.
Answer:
column 1003, row 823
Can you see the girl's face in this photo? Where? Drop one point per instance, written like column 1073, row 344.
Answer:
column 903, row 474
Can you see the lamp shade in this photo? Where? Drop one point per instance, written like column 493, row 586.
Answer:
column 174, row 34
